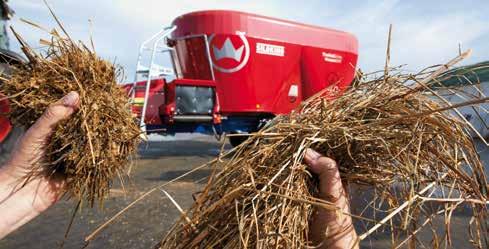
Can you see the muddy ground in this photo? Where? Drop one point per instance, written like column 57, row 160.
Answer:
column 144, row 225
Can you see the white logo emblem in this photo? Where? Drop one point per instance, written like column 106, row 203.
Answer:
column 228, row 51
column 269, row 49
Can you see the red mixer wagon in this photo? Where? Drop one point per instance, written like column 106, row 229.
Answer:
column 233, row 71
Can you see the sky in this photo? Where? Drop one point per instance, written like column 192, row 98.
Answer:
column 424, row 32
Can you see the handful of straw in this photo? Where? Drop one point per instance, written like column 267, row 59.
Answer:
column 97, row 142
column 391, row 134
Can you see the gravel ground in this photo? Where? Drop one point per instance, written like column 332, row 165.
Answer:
column 145, row 224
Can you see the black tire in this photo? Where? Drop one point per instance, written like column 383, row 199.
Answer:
column 8, row 144
column 261, row 122
column 237, row 140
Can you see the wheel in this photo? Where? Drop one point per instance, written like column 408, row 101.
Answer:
column 237, row 140
column 260, row 122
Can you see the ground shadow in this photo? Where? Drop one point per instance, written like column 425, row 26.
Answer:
column 181, row 148
column 194, row 176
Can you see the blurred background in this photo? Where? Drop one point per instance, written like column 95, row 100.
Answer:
column 424, row 32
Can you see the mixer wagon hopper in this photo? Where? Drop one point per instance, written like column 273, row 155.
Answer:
column 231, row 71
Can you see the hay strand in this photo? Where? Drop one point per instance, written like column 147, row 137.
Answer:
column 388, row 134
column 98, row 141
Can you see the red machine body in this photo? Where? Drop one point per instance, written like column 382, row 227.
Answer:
column 255, row 65
column 275, row 54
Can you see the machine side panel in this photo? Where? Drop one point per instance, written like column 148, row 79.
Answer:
column 257, row 76
column 323, row 68
column 268, row 65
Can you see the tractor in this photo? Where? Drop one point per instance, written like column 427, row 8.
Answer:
column 231, row 72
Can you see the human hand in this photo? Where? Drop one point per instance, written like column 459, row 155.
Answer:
column 330, row 229
column 21, row 201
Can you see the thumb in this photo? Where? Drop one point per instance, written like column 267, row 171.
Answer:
column 30, row 147
column 330, row 186
column 56, row 112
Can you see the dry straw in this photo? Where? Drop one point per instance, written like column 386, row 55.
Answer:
column 391, row 134
column 96, row 143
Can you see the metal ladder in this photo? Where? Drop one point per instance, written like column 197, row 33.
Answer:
column 156, row 45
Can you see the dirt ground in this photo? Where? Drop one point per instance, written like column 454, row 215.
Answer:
column 145, row 224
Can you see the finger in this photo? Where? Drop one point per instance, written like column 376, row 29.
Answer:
column 56, row 112
column 330, row 186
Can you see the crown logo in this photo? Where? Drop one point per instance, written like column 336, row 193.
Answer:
column 228, row 51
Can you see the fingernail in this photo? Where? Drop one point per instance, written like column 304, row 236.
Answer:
column 312, row 154
column 70, row 99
